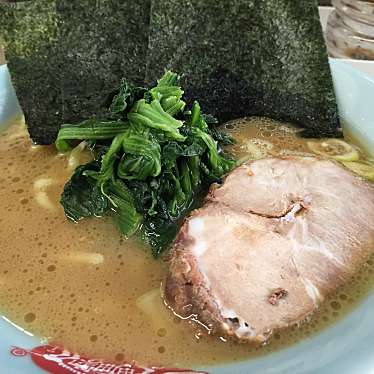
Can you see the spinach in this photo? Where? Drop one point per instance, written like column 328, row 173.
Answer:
column 122, row 99
column 154, row 116
column 82, row 197
column 154, row 158
column 91, row 129
column 125, row 214
column 159, row 233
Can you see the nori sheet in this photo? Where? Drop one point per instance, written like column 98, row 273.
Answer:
column 65, row 56
column 103, row 41
column 29, row 33
column 237, row 57
column 247, row 57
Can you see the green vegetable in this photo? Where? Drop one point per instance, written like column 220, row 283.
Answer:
column 88, row 130
column 154, row 160
column 142, row 157
column 123, row 98
column 82, row 197
column 153, row 115
column 125, row 215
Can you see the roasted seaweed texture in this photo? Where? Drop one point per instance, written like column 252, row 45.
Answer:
column 248, row 57
column 65, row 56
column 238, row 57
column 29, row 32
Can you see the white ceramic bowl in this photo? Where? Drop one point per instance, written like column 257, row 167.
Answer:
column 346, row 347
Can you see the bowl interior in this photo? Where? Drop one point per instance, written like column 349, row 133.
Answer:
column 344, row 347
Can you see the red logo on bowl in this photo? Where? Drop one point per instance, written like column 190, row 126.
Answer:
column 58, row 361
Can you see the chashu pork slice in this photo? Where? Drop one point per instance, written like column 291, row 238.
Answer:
column 269, row 244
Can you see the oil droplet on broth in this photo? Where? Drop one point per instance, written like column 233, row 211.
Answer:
column 30, row 317
column 83, row 281
column 120, row 357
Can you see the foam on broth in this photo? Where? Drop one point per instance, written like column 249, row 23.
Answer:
column 85, row 287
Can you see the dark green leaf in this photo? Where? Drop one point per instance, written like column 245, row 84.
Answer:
column 146, row 147
column 142, row 194
column 197, row 148
column 185, row 178
column 81, row 197
column 222, row 138
column 107, row 162
column 135, row 167
column 170, row 152
column 194, row 167
column 152, row 171
column 159, row 234
column 124, row 98
column 91, row 129
column 210, row 120
column 125, row 215
column 153, row 115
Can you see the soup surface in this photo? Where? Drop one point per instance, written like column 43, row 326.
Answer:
column 85, row 287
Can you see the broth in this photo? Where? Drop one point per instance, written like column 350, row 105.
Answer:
column 88, row 289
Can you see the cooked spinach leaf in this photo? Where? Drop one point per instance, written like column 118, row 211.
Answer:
column 82, row 197
column 123, row 98
column 154, row 157
column 125, row 214
column 90, row 129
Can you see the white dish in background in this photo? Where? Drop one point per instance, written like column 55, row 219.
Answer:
column 366, row 67
column 9, row 108
column 355, row 96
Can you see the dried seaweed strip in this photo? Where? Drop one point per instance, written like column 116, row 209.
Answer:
column 65, row 56
column 29, row 32
column 248, row 57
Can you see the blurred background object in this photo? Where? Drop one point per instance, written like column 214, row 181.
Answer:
column 350, row 29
